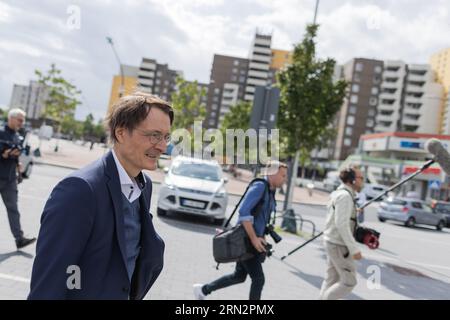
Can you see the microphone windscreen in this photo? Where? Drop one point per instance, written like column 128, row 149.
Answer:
column 441, row 155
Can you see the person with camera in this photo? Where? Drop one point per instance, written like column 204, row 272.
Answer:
column 9, row 162
column 254, row 214
column 340, row 245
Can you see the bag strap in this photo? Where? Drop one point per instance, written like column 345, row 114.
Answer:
column 351, row 219
column 266, row 184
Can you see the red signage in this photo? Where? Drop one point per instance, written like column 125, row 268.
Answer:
column 412, row 169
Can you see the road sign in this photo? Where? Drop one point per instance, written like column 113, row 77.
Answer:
column 434, row 184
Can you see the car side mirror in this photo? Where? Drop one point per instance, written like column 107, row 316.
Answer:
column 27, row 150
column 225, row 180
column 166, row 170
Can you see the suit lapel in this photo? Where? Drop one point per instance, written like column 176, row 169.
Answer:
column 116, row 196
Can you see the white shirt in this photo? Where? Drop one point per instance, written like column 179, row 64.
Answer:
column 130, row 188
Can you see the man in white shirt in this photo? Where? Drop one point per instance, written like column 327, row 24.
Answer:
column 340, row 244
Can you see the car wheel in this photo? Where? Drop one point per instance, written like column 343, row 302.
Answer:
column 440, row 226
column 381, row 219
column 28, row 170
column 411, row 222
column 160, row 212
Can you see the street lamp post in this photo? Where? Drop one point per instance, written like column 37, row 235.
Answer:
column 122, row 79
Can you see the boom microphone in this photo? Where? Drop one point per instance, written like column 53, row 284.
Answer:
column 441, row 155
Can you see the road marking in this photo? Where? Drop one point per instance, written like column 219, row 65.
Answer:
column 14, row 278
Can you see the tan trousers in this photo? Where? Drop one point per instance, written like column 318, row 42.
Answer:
column 341, row 273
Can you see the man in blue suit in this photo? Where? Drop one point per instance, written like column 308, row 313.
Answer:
column 97, row 240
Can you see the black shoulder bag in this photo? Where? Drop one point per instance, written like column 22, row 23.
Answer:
column 232, row 245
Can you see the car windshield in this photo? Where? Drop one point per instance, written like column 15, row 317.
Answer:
column 197, row 171
column 396, row 202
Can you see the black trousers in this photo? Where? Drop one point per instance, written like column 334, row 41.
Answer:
column 251, row 267
column 9, row 193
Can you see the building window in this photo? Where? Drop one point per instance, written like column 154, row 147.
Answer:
column 241, row 79
column 236, row 62
column 352, row 110
column 376, row 80
column 234, row 78
column 166, row 82
column 216, row 99
column 211, row 122
column 355, row 87
column 354, row 98
column 350, row 120
column 373, row 101
column 371, row 113
column 158, row 81
column 213, row 114
column 374, row 91
column 214, row 106
column 359, row 66
column 369, row 123
column 216, row 90
column 356, row 77
column 378, row 69
column 235, row 70
column 159, row 74
column 347, row 142
column 243, row 71
column 348, row 131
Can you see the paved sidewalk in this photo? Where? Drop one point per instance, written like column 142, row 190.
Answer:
column 75, row 155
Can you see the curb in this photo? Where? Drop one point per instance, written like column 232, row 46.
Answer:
column 158, row 182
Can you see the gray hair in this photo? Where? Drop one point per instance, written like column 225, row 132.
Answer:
column 273, row 166
column 14, row 113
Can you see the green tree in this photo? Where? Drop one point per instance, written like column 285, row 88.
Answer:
column 309, row 100
column 187, row 105
column 62, row 98
column 88, row 127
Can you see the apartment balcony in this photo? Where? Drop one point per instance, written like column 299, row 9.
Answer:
column 146, row 82
column 259, row 66
column 250, row 89
column 391, row 74
column 384, row 118
column 248, row 97
column 256, row 82
column 257, row 74
column 266, row 51
column 387, row 96
column 148, row 65
column 147, row 74
column 411, row 99
column 412, row 111
column 414, row 88
column 410, row 122
column 415, row 77
column 391, row 85
column 262, row 42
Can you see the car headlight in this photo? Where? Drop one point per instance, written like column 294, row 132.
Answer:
column 169, row 184
column 221, row 193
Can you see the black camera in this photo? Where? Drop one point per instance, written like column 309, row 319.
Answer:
column 269, row 250
column 270, row 231
column 12, row 145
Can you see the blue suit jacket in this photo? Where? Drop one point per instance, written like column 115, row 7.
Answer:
column 83, row 225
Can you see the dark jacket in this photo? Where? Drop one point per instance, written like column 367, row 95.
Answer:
column 83, row 225
column 8, row 167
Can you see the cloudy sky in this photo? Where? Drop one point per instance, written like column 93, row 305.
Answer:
column 186, row 33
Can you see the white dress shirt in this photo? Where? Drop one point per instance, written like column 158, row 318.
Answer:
column 129, row 186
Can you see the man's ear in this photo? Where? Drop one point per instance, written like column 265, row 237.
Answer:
column 119, row 133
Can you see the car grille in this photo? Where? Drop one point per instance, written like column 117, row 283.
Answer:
column 205, row 193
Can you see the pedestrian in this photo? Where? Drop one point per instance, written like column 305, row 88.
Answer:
column 11, row 148
column 97, row 239
column 255, row 224
column 340, row 245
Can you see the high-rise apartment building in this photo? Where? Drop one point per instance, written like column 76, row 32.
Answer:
column 440, row 63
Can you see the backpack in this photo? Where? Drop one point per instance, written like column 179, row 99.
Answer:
column 233, row 245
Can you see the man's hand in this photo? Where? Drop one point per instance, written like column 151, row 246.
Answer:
column 15, row 153
column 259, row 244
column 357, row 256
column 5, row 154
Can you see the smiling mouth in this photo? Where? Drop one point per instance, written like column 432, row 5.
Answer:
column 152, row 156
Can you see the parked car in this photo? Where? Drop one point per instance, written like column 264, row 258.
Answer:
column 443, row 208
column 27, row 162
column 373, row 190
column 331, row 181
column 411, row 212
column 194, row 186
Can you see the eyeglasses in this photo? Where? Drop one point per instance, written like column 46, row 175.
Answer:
column 155, row 137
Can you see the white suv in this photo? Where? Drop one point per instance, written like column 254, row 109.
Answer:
column 194, row 186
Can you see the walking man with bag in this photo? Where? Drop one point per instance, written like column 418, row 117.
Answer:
column 260, row 196
column 340, row 244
